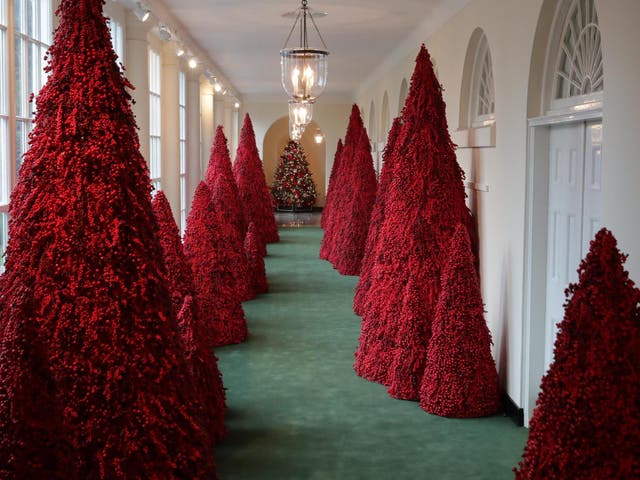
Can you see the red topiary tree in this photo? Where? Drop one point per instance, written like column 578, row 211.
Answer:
column 341, row 186
column 206, row 250
column 377, row 219
column 426, row 201
column 587, row 418
column 255, row 197
column 353, row 222
column 197, row 339
column 226, row 201
column 460, row 378
column 326, row 211
column 103, row 345
column 203, row 365
column 256, row 262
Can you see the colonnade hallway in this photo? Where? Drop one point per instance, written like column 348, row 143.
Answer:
column 297, row 410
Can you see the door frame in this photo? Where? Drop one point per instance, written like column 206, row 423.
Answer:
column 535, row 245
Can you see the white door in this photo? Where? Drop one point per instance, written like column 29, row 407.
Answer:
column 575, row 166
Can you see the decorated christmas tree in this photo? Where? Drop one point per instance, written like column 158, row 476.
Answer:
column 293, row 185
column 226, row 202
column 84, row 309
column 352, row 218
column 196, row 338
column 255, row 197
column 341, row 187
column 326, row 210
column 256, row 262
column 425, row 203
column 460, row 377
column 587, row 418
column 207, row 251
column 377, row 218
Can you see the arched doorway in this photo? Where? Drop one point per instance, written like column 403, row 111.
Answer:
column 564, row 164
column 276, row 139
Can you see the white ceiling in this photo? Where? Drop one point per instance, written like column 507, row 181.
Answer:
column 244, row 37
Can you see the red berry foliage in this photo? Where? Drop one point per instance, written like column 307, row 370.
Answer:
column 460, row 378
column 196, row 337
column 206, row 249
column 256, row 262
column 341, row 186
column 226, row 201
column 203, row 365
column 97, row 324
column 587, row 418
column 352, row 218
column 377, row 219
column 326, row 211
column 255, row 197
column 425, row 202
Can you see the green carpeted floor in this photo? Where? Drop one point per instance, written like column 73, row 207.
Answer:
column 298, row 411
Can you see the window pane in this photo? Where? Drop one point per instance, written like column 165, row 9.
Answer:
column 3, row 12
column 46, row 20
column 18, row 15
column 22, row 141
column 21, row 78
column 30, row 20
column 5, row 184
column 3, row 74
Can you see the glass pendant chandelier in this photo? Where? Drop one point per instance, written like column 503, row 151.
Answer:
column 304, row 69
column 300, row 115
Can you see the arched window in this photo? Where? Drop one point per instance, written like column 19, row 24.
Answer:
column 578, row 74
column 404, row 91
column 482, row 95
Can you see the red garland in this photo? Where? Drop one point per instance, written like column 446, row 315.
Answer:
column 377, row 219
column 196, row 338
column 587, row 418
column 252, row 248
column 207, row 251
column 460, row 378
column 326, row 211
column 226, row 202
column 255, row 197
column 84, row 309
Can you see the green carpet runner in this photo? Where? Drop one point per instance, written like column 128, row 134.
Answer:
column 298, row 411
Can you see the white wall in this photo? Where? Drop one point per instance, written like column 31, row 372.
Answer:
column 331, row 117
column 510, row 27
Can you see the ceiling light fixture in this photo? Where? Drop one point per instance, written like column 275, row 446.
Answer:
column 180, row 51
column 304, row 69
column 236, row 105
column 217, row 87
column 193, row 62
column 318, row 137
column 141, row 11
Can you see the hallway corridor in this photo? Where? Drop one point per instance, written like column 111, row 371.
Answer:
column 297, row 410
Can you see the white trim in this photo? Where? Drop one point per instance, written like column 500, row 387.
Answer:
column 577, row 113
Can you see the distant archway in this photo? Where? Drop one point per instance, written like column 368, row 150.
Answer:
column 372, row 123
column 276, row 139
column 385, row 119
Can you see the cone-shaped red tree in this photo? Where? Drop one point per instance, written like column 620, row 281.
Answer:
column 352, row 223
column 326, row 211
column 293, row 184
column 226, row 201
column 255, row 197
column 460, row 378
column 197, row 339
column 377, row 218
column 206, row 250
column 256, row 262
column 587, row 418
column 341, row 186
column 83, row 247
column 426, row 201
column 204, row 370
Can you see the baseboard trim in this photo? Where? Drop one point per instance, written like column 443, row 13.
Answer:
column 512, row 410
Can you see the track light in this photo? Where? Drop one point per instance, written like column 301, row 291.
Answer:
column 193, row 62
column 236, row 105
column 164, row 33
column 217, row 87
column 180, row 50
column 141, row 11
